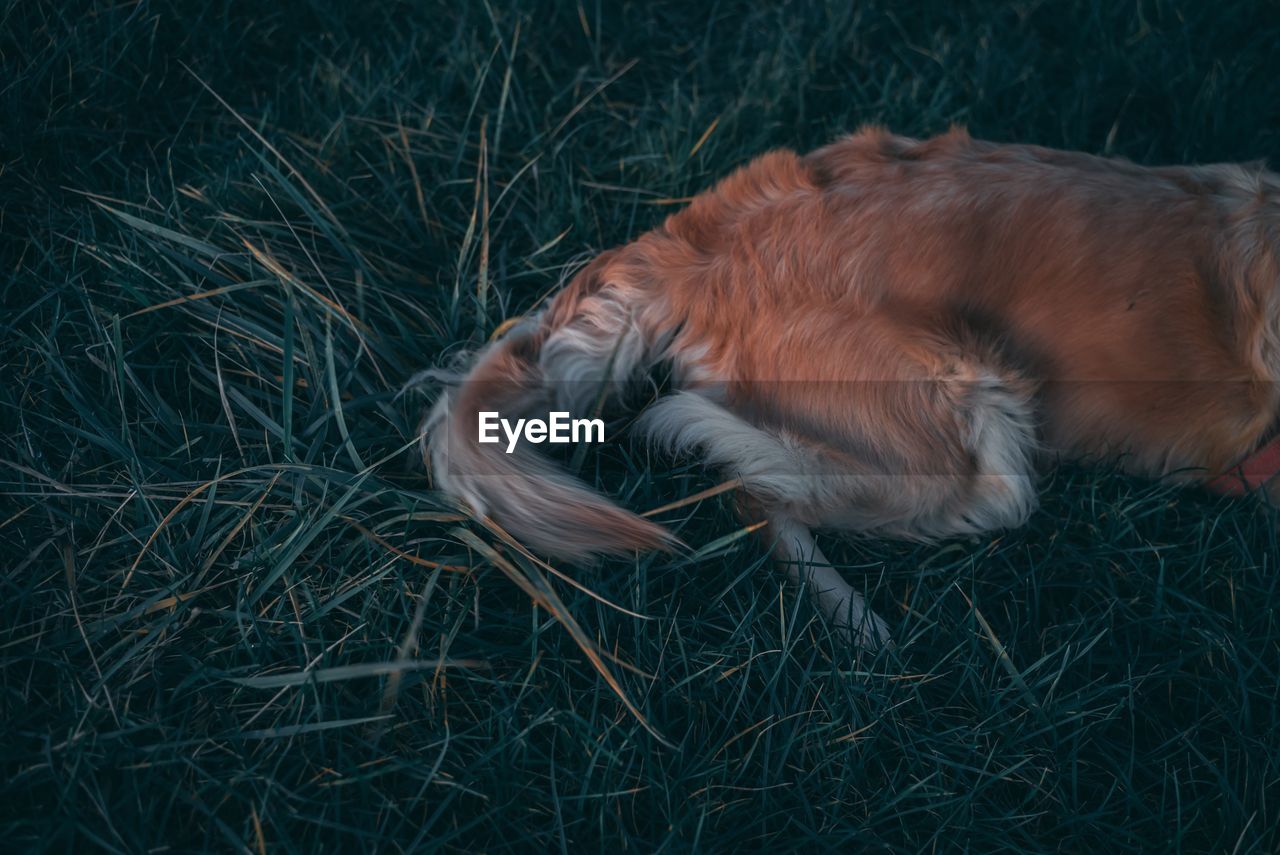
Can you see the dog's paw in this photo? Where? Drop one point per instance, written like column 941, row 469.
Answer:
column 870, row 633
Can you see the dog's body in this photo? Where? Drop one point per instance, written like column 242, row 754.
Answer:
column 891, row 335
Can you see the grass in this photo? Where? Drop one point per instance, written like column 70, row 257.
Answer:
column 235, row 615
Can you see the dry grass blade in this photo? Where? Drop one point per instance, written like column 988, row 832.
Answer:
column 544, row 597
column 353, row 672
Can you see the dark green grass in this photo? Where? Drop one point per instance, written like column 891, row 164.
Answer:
column 231, row 232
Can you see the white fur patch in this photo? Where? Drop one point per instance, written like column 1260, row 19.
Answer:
column 767, row 464
column 1000, row 433
column 602, row 344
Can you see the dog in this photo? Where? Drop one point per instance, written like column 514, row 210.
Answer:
column 895, row 336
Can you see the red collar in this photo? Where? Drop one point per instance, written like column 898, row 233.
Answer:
column 1251, row 473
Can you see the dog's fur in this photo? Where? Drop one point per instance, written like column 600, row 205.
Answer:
column 892, row 335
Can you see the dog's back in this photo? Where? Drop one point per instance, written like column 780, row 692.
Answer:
column 1139, row 300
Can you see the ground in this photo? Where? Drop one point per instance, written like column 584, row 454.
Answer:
column 236, row 616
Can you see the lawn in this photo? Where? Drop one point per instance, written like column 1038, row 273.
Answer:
column 235, row 616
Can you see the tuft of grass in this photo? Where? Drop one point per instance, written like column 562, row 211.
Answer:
column 236, row 616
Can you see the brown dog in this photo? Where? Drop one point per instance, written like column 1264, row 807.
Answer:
column 892, row 335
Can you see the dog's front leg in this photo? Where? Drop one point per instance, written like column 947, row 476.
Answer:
column 838, row 602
